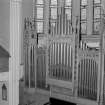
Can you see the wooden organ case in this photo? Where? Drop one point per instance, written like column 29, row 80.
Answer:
column 75, row 70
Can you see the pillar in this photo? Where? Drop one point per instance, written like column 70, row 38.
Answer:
column 14, row 61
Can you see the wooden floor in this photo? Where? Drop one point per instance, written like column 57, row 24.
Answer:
column 34, row 98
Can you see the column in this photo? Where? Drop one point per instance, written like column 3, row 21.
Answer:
column 14, row 61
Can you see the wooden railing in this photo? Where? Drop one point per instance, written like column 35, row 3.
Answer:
column 88, row 74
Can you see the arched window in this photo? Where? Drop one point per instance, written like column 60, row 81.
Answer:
column 4, row 92
column 39, row 5
column 83, row 16
column 68, row 9
column 53, row 13
column 96, row 16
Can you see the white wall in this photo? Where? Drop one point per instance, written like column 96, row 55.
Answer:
column 27, row 10
column 5, row 17
column 4, row 23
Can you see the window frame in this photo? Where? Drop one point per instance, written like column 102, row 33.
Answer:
column 83, row 20
column 39, row 19
column 95, row 20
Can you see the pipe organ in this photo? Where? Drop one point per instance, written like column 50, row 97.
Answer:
column 67, row 67
column 60, row 63
column 61, row 25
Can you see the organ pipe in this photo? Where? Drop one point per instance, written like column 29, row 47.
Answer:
column 62, row 23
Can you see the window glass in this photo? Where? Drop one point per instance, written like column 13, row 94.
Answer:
column 53, row 2
column 97, row 12
column 83, row 2
column 39, row 1
column 68, row 2
column 97, row 1
column 40, row 27
column 39, row 13
column 96, row 16
column 83, row 14
column 68, row 13
column 83, row 28
column 96, row 26
column 53, row 13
